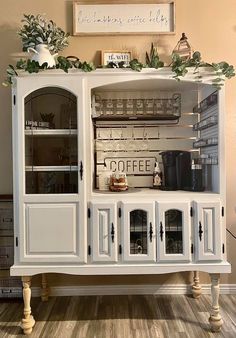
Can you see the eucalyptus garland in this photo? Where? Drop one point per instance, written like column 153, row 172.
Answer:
column 179, row 67
column 32, row 66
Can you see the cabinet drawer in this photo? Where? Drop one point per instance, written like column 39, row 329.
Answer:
column 10, row 287
column 6, row 252
column 6, row 216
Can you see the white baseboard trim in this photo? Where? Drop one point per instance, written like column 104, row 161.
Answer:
column 144, row 289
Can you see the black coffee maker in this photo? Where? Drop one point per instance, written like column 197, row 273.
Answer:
column 177, row 170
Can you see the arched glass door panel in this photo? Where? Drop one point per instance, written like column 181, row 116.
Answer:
column 174, row 231
column 51, row 146
column 138, row 232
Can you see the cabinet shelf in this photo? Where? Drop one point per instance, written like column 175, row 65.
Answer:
column 51, row 168
column 138, row 229
column 50, row 132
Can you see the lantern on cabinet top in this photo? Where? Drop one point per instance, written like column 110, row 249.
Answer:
column 183, row 48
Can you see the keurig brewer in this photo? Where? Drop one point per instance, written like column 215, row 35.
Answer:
column 169, row 168
column 177, row 170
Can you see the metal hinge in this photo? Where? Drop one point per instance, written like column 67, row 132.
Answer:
column 89, row 250
column 191, row 248
column 120, row 249
column 16, row 241
column 119, row 212
column 89, row 212
column 14, row 100
column 222, row 211
column 223, row 248
column 191, row 211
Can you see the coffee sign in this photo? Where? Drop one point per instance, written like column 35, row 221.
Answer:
column 131, row 166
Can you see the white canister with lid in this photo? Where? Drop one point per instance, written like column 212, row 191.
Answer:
column 104, row 179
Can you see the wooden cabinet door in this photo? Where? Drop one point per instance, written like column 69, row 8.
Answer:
column 52, row 233
column 173, row 231
column 104, row 232
column 138, row 232
column 49, row 169
column 208, row 235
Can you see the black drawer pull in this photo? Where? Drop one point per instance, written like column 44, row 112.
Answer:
column 161, row 231
column 200, row 231
column 151, row 232
column 112, row 232
column 81, row 170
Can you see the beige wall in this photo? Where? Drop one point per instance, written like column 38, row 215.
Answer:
column 211, row 28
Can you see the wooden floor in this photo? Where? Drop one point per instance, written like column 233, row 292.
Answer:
column 120, row 317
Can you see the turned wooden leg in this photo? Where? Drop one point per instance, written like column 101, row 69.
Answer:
column 44, row 289
column 215, row 317
column 28, row 321
column 196, row 287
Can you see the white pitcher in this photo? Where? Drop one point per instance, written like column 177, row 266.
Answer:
column 42, row 54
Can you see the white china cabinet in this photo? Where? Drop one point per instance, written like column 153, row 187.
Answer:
column 71, row 131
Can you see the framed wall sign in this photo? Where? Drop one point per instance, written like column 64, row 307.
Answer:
column 115, row 56
column 156, row 17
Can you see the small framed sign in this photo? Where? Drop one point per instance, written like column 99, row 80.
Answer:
column 154, row 17
column 115, row 56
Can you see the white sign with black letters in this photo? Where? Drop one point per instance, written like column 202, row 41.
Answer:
column 131, row 166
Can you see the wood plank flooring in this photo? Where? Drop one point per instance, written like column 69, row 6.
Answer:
column 120, row 317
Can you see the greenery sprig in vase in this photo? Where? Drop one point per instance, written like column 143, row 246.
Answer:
column 38, row 30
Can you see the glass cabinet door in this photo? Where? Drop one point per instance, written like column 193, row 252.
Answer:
column 51, row 137
column 138, row 231
column 173, row 231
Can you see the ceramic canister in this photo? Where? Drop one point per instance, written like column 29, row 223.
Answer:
column 104, row 179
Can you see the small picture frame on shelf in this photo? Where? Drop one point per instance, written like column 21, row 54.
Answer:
column 115, row 56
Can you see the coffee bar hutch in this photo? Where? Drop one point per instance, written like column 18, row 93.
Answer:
column 70, row 129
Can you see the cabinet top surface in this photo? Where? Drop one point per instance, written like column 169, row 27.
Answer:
column 166, row 72
column 123, row 79
column 154, row 193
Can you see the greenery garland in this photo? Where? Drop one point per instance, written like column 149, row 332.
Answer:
column 179, row 67
column 32, row 66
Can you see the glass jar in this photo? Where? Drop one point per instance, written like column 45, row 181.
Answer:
column 118, row 182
